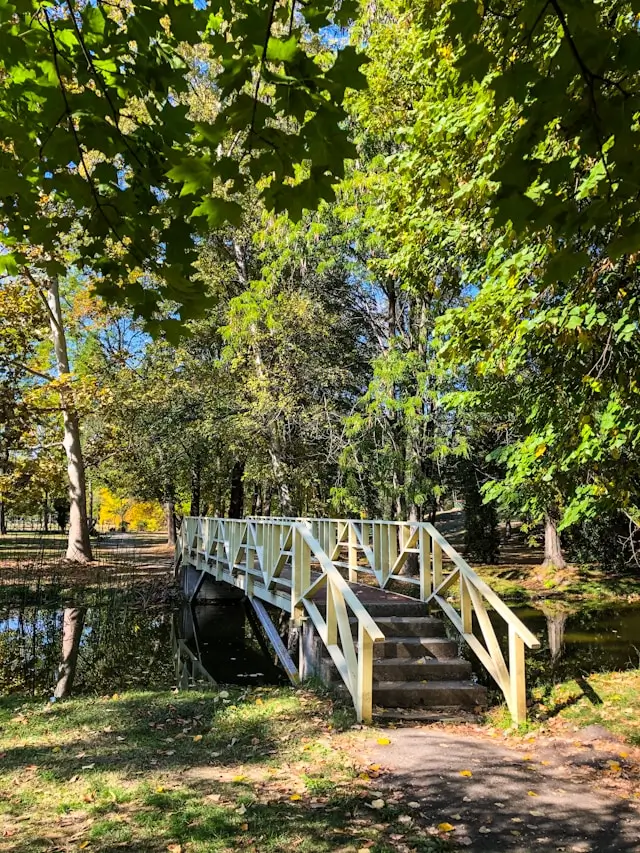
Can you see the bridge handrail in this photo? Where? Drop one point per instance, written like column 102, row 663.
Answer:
column 385, row 554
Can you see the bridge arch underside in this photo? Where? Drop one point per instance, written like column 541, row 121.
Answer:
column 337, row 581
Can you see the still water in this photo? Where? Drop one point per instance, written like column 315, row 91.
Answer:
column 125, row 646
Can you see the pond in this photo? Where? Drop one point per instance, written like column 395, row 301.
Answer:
column 574, row 644
column 121, row 645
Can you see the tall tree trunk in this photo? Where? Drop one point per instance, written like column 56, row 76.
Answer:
column 3, row 518
column 78, row 543
column 73, row 622
column 170, row 511
column 195, row 488
column 553, row 556
column 236, row 499
column 45, row 512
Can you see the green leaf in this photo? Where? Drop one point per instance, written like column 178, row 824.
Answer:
column 219, row 212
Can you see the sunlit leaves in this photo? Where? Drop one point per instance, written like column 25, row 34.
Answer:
column 83, row 94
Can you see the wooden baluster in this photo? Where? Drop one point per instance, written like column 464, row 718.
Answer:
column 377, row 552
column 331, row 617
column 466, row 606
column 300, row 575
column 353, row 554
column 517, row 678
column 436, row 554
column 424, row 558
column 393, row 531
column 364, row 698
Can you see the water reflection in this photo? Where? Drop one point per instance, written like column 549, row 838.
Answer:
column 575, row 643
column 116, row 645
column 222, row 642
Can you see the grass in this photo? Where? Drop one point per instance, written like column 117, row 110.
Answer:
column 263, row 770
column 587, row 585
column 607, row 699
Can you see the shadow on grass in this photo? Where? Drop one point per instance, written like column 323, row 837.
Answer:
column 150, row 731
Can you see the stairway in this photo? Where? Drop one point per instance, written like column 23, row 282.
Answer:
column 417, row 671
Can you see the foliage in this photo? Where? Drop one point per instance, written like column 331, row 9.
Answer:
column 97, row 130
column 117, row 510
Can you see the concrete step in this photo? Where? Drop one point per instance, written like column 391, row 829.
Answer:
column 431, row 694
column 421, row 669
column 384, row 606
column 407, row 626
column 440, row 648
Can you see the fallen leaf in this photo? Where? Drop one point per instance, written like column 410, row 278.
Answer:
column 83, row 845
column 405, row 818
column 197, row 738
column 295, row 797
column 159, row 790
column 614, row 766
column 413, row 805
column 446, row 827
column 620, row 754
column 527, row 758
column 377, row 804
column 244, row 827
column 241, row 809
column 456, row 816
column 238, row 779
column 532, row 793
column 536, row 813
column 466, row 773
column 384, row 741
column 374, row 768
column 484, row 830
column 174, row 848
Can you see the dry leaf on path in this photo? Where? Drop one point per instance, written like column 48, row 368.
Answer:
column 466, row 773
column 446, row 827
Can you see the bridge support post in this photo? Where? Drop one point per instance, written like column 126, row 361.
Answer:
column 364, row 702
column 517, row 678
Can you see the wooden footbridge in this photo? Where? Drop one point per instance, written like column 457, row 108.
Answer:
column 340, row 578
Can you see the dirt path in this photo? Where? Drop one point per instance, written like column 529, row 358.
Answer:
column 551, row 795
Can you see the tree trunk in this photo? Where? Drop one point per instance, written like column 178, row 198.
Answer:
column 553, row 556
column 45, row 512
column 556, row 623
column 195, row 489
column 78, row 543
column 170, row 511
column 71, row 634
column 3, row 518
column 236, row 500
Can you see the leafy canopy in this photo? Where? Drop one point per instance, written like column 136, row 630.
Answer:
column 96, row 128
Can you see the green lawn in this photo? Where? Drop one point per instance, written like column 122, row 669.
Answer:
column 608, row 699
column 266, row 770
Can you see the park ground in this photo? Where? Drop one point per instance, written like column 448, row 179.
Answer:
column 274, row 770
column 277, row 769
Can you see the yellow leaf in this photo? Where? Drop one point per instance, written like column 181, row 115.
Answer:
column 197, row 738
column 159, row 790
column 466, row 773
column 532, row 793
column 540, row 450
column 295, row 797
column 384, row 741
column 374, row 768
column 446, row 827
column 527, row 758
column 623, row 754
column 614, row 766
column 238, row 779
column 56, row 749
column 259, row 702
column 174, row 848
column 364, row 776
column 83, row 845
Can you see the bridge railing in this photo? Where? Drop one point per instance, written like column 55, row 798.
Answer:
column 416, row 554
column 272, row 559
